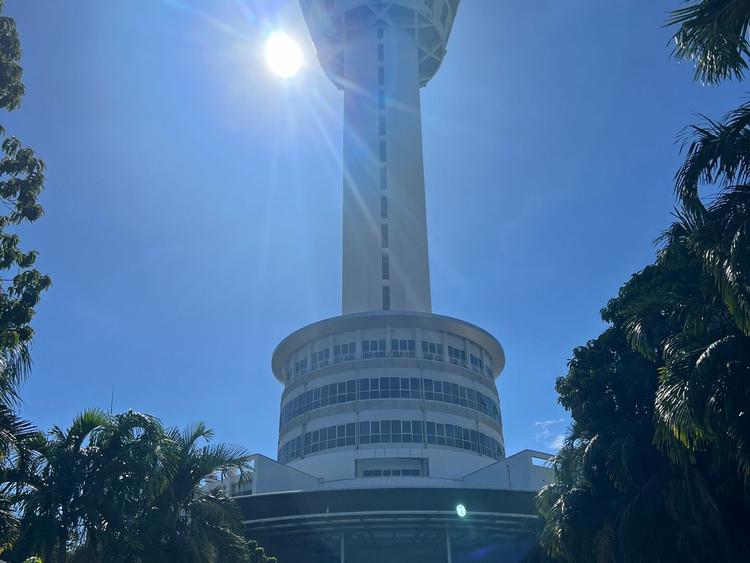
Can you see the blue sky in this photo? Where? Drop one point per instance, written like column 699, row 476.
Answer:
column 193, row 199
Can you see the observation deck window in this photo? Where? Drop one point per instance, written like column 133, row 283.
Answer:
column 373, row 349
column 391, row 473
column 344, row 352
column 432, row 351
column 390, row 431
column 476, row 364
column 403, row 348
column 321, row 358
column 367, row 389
column 457, row 356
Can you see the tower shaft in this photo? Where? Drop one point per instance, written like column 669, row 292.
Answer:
column 385, row 256
column 380, row 53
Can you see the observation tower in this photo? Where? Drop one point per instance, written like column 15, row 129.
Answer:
column 388, row 386
column 390, row 415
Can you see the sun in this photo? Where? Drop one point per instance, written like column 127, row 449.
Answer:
column 283, row 55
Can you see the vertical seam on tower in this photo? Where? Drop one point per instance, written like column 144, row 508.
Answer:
column 386, row 296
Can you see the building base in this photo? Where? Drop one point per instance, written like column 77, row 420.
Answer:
column 393, row 525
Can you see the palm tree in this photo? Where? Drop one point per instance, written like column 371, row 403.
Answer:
column 123, row 489
column 76, row 485
column 53, row 484
column 717, row 153
column 189, row 522
column 124, row 475
column 14, row 432
column 714, row 33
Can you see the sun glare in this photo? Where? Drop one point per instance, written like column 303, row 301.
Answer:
column 283, row 56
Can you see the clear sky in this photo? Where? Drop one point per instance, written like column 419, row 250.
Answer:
column 193, row 202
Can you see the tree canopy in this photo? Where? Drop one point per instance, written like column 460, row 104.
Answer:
column 656, row 466
column 21, row 285
column 124, row 489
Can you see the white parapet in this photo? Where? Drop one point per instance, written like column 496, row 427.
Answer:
column 526, row 471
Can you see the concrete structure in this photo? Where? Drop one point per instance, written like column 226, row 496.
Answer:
column 380, row 54
column 390, row 415
column 404, row 392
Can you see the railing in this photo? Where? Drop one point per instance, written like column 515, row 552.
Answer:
column 487, row 372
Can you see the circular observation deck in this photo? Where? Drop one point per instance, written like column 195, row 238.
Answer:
column 332, row 23
column 387, row 395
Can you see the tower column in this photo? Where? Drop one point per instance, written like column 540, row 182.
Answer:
column 385, row 227
column 380, row 54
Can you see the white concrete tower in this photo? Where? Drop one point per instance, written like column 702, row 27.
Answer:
column 390, row 429
column 380, row 53
column 388, row 394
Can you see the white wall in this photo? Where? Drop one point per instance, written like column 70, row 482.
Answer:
column 517, row 472
column 443, row 463
column 273, row 477
column 525, row 475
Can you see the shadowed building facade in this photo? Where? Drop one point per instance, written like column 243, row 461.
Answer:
column 390, row 415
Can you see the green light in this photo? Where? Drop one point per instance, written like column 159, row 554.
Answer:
column 461, row 510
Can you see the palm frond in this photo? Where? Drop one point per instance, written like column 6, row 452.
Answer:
column 716, row 153
column 713, row 35
column 222, row 458
column 195, row 433
column 84, row 425
column 15, row 365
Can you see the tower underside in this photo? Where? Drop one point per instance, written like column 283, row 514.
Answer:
column 331, row 22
